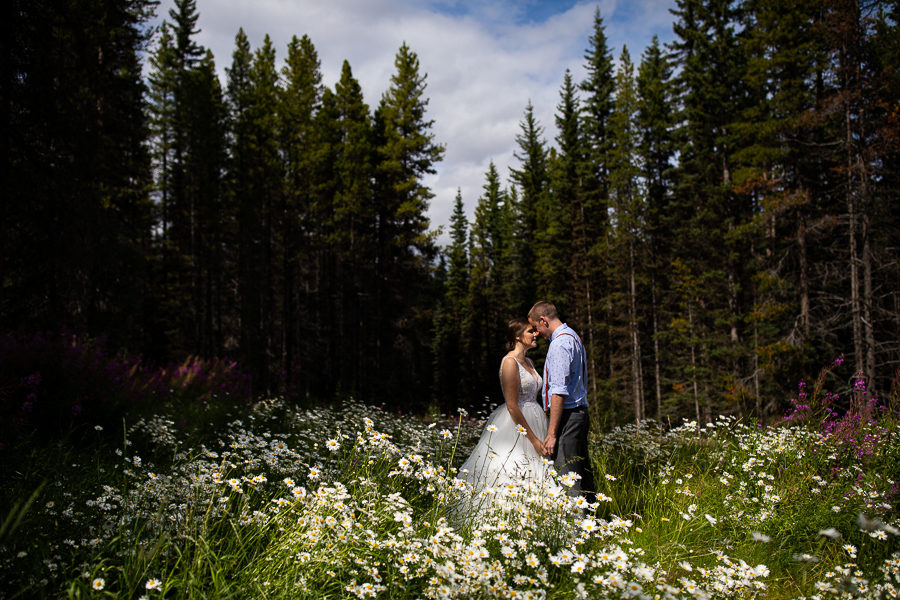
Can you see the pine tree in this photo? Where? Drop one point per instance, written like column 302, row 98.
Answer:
column 709, row 215
column 654, row 122
column 299, row 101
column 407, row 152
column 354, row 224
column 184, row 17
column 188, row 139
column 211, row 296
column 565, row 257
column 532, row 178
column 458, row 273
column 597, row 107
column 239, row 94
column 75, row 168
column 163, row 80
column 781, row 174
column 266, row 178
column 451, row 384
column 628, row 206
column 885, row 55
column 181, row 316
column 254, row 182
column 182, row 57
column 484, row 319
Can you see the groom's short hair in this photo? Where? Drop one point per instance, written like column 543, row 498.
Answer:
column 543, row 309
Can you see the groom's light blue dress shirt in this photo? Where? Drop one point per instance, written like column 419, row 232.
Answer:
column 565, row 371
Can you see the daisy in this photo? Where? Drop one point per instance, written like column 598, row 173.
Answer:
column 153, row 584
column 98, row 584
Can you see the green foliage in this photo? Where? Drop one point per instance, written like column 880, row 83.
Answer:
column 484, row 315
column 75, row 169
column 599, row 88
column 560, row 238
column 350, row 500
column 449, row 348
column 403, row 295
column 533, row 209
column 710, row 227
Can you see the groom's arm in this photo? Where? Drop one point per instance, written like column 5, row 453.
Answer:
column 559, row 359
column 556, row 410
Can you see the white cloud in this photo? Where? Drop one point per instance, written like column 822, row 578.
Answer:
column 485, row 60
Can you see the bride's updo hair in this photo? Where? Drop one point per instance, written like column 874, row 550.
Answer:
column 514, row 330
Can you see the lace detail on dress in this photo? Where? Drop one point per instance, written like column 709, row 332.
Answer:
column 529, row 386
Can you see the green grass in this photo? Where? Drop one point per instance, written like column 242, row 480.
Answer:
column 352, row 501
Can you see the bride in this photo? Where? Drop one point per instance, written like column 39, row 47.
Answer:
column 511, row 447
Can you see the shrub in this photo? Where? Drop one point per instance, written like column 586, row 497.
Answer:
column 65, row 385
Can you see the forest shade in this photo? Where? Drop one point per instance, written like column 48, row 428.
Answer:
column 717, row 220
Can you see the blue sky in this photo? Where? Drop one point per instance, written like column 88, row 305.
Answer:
column 484, row 60
column 521, row 12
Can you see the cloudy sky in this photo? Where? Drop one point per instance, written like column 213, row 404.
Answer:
column 484, row 60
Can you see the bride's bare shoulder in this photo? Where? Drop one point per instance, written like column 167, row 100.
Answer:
column 509, row 365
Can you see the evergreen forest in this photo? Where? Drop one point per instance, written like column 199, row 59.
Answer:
column 717, row 217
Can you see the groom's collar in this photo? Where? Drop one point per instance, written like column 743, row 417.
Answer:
column 557, row 331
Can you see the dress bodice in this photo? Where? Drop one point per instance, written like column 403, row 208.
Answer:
column 529, row 386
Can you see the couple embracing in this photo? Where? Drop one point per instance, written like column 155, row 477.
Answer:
column 519, row 435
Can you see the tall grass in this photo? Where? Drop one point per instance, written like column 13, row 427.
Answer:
column 353, row 501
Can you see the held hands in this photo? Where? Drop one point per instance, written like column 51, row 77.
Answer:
column 549, row 445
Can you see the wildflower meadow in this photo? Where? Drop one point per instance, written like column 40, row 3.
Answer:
column 269, row 499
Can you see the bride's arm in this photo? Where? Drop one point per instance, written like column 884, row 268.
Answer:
column 509, row 378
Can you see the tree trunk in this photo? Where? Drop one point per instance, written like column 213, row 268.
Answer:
column 868, row 297
column 804, row 273
column 855, row 303
column 656, row 360
column 694, row 367
column 756, row 370
column 590, row 333
column 636, row 375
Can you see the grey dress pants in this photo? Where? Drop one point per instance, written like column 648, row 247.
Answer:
column 571, row 453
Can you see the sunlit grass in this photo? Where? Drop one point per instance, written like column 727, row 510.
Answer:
column 353, row 501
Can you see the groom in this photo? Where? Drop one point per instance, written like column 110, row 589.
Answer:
column 565, row 396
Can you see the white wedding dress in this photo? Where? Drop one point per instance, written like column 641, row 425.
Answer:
column 503, row 455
